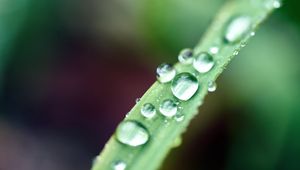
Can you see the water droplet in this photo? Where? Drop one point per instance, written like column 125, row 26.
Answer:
column 95, row 160
column 252, row 33
column 214, row 50
column 119, row 165
column 186, row 56
column 184, row 86
column 148, row 110
column 203, row 62
column 168, row 108
column 165, row 73
column 235, row 52
column 237, row 29
column 276, row 4
column 137, row 100
column 273, row 4
column 177, row 142
column 179, row 117
column 243, row 44
column 132, row 133
column 212, row 86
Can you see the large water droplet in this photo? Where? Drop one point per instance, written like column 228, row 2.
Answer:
column 165, row 73
column 203, row 62
column 212, row 86
column 186, row 56
column 148, row 110
column 132, row 133
column 119, row 165
column 237, row 28
column 168, row 108
column 184, row 86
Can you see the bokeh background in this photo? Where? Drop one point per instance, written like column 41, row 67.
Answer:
column 71, row 69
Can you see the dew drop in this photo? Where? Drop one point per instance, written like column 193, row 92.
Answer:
column 203, row 62
column 276, row 4
column 177, row 142
column 186, row 56
column 95, row 160
column 252, row 33
column 168, row 108
column 212, row 86
column 235, row 52
column 119, row 165
column 148, row 110
column 273, row 4
column 165, row 73
column 137, row 100
column 166, row 121
column 243, row 44
column 184, row 86
column 179, row 117
column 237, row 29
column 214, row 50
column 132, row 133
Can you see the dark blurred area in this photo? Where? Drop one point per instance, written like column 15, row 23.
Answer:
column 71, row 69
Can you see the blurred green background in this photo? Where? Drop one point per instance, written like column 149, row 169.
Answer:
column 71, row 69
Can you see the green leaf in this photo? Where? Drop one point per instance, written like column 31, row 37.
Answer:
column 164, row 133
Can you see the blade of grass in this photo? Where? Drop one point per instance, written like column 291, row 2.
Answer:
column 164, row 132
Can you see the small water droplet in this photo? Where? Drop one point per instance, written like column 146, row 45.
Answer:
column 214, row 50
column 119, row 165
column 137, row 100
column 235, row 52
column 184, row 86
column 168, row 108
column 165, row 73
column 252, row 33
column 276, row 4
column 243, row 44
column 132, row 133
column 148, row 110
column 212, row 86
column 95, row 160
column 186, row 56
column 177, row 142
column 179, row 117
column 237, row 29
column 203, row 62
column 273, row 4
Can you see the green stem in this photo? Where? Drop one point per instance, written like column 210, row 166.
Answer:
column 164, row 132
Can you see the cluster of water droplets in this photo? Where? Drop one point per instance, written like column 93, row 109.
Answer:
column 183, row 85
